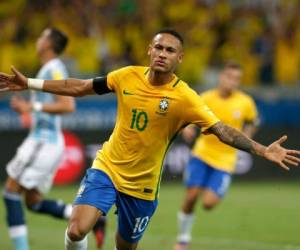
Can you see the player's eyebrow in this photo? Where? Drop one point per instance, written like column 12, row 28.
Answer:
column 168, row 48
column 171, row 49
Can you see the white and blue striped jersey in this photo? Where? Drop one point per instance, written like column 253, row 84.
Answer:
column 47, row 127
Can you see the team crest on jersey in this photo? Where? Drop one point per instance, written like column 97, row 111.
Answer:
column 163, row 106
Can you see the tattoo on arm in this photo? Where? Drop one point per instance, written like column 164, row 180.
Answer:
column 234, row 138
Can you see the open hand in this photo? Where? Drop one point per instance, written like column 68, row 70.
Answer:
column 280, row 155
column 15, row 82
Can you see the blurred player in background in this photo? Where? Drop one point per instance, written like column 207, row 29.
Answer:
column 32, row 169
column 208, row 173
column 153, row 106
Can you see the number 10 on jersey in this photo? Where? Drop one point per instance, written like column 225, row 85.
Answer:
column 139, row 120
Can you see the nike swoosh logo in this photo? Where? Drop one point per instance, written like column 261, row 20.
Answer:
column 127, row 93
column 135, row 236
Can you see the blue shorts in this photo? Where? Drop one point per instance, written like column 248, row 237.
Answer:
column 199, row 174
column 97, row 190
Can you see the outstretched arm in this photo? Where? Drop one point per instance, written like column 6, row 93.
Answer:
column 68, row 87
column 274, row 152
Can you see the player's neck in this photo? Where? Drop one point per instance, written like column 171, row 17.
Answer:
column 225, row 94
column 47, row 56
column 157, row 78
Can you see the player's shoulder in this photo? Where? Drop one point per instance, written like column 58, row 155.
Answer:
column 185, row 91
column 56, row 64
column 210, row 93
column 182, row 87
column 131, row 69
column 189, row 92
column 57, row 69
column 243, row 96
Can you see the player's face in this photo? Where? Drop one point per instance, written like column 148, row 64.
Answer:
column 230, row 79
column 165, row 53
column 43, row 43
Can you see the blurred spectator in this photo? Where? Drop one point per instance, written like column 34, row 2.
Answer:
column 263, row 48
column 287, row 46
column 106, row 34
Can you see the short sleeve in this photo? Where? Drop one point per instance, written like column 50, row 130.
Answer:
column 197, row 112
column 114, row 78
column 58, row 71
column 57, row 74
column 251, row 114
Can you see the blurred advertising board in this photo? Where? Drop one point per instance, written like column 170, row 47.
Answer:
column 93, row 122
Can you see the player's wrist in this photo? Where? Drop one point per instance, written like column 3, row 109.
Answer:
column 35, row 84
column 37, row 106
column 260, row 150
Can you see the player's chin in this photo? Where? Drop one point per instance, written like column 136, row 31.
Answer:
column 160, row 69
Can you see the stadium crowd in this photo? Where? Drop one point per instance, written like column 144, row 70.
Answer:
column 263, row 36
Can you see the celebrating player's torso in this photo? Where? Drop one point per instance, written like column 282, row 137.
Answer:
column 234, row 111
column 148, row 118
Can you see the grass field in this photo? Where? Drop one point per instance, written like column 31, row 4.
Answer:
column 253, row 216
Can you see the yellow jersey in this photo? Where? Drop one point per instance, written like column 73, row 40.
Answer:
column 148, row 119
column 233, row 111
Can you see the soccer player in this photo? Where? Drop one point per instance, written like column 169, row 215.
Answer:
column 208, row 173
column 32, row 169
column 153, row 106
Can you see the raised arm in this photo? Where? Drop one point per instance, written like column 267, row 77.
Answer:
column 274, row 152
column 69, row 87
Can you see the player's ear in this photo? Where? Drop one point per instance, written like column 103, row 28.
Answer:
column 149, row 49
column 180, row 57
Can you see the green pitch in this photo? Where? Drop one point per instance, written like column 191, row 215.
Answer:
column 253, row 216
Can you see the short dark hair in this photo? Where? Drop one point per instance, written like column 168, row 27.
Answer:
column 232, row 65
column 58, row 39
column 172, row 32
